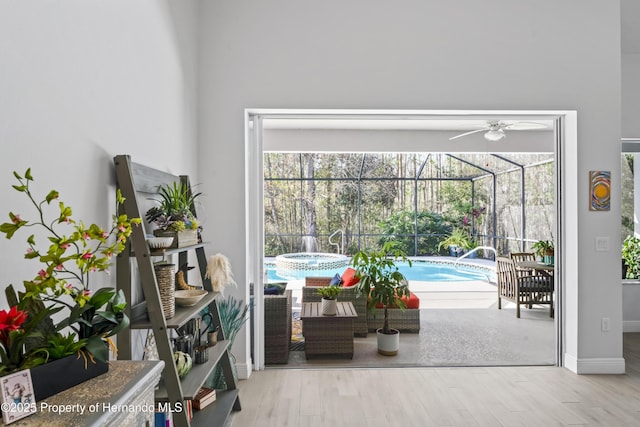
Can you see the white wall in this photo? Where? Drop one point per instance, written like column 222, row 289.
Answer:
column 82, row 81
column 412, row 54
column 631, row 96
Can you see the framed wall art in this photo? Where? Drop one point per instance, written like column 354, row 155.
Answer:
column 17, row 396
column 600, row 190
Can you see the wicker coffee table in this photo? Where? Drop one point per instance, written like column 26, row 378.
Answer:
column 328, row 335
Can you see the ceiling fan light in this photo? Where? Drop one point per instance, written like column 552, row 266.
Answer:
column 494, row 135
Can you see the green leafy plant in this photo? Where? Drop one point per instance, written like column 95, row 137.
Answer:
column 329, row 292
column 233, row 315
column 75, row 252
column 176, row 208
column 380, row 279
column 543, row 247
column 631, row 256
column 459, row 237
column 64, row 345
column 401, row 227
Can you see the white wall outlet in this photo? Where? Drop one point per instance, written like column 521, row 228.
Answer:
column 606, row 324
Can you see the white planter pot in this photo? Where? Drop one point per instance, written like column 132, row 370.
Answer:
column 329, row 307
column 388, row 344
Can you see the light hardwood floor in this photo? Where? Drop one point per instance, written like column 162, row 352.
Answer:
column 500, row 396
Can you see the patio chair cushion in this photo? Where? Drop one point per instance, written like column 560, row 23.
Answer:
column 275, row 288
column 412, row 302
column 349, row 278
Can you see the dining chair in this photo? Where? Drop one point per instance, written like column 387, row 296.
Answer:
column 524, row 290
column 523, row 256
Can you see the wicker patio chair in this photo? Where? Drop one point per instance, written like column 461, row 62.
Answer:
column 526, row 290
column 309, row 294
column 277, row 328
column 407, row 320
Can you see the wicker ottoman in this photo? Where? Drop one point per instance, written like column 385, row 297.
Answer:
column 277, row 328
column 328, row 335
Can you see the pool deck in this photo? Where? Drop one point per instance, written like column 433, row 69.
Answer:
column 435, row 295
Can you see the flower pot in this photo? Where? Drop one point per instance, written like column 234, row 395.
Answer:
column 455, row 251
column 329, row 307
column 388, row 344
column 59, row 375
column 181, row 239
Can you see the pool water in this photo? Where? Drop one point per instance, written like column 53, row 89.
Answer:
column 420, row 270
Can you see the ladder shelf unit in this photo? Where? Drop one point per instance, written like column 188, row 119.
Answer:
column 133, row 179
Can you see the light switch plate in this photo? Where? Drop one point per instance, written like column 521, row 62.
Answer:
column 602, row 244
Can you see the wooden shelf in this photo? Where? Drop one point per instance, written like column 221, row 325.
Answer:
column 217, row 413
column 198, row 374
column 170, row 251
column 182, row 315
column 132, row 179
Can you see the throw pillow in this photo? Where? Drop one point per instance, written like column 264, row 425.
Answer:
column 276, row 288
column 349, row 278
column 336, row 280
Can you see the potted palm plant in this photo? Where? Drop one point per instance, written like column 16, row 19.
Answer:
column 329, row 301
column 383, row 284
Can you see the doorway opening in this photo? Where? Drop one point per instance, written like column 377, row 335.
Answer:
column 371, row 132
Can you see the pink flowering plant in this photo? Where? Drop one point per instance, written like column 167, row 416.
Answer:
column 75, row 252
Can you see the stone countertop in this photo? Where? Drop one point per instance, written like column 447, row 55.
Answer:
column 100, row 400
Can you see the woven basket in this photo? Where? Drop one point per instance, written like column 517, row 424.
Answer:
column 165, row 276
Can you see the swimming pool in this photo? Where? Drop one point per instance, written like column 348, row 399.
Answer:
column 434, row 270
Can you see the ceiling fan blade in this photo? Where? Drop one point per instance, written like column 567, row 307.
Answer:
column 525, row 126
column 467, row 133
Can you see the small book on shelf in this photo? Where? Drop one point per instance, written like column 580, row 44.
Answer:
column 204, row 397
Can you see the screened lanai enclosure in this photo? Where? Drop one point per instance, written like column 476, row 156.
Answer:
column 343, row 202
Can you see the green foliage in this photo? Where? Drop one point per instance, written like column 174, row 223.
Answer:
column 459, row 237
column 631, row 256
column 64, row 345
column 543, row 247
column 233, row 315
column 400, row 227
column 380, row 279
column 329, row 292
column 176, row 207
column 75, row 252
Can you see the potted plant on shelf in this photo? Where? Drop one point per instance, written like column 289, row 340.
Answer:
column 28, row 335
column 545, row 250
column 174, row 216
column 383, row 284
column 458, row 242
column 329, row 302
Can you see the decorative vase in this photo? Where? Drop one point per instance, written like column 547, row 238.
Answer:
column 329, row 307
column 47, row 379
column 388, row 344
column 166, row 285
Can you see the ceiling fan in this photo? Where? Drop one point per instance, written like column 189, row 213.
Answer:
column 494, row 129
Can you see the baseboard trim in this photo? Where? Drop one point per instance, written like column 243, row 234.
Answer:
column 596, row 365
column 244, row 370
column 631, row 326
